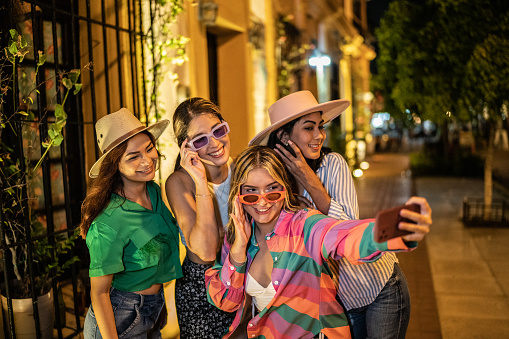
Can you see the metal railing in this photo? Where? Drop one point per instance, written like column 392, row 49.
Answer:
column 67, row 30
column 474, row 210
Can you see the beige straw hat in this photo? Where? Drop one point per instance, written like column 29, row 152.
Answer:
column 294, row 106
column 117, row 127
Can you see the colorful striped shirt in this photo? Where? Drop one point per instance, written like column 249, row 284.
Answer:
column 305, row 301
column 359, row 285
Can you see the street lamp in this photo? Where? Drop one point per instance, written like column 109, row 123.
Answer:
column 320, row 61
column 207, row 12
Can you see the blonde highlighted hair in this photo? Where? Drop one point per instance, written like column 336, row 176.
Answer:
column 252, row 158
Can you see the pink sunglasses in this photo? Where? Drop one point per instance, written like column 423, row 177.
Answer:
column 203, row 140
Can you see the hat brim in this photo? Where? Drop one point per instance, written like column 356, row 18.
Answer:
column 155, row 129
column 330, row 110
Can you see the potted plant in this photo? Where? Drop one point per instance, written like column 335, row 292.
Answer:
column 31, row 258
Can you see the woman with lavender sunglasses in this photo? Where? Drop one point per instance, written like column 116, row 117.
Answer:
column 197, row 192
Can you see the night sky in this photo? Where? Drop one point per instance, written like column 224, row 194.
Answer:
column 375, row 11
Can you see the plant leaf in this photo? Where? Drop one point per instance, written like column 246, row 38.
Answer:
column 67, row 83
column 13, row 49
column 58, row 140
column 74, row 75
column 23, row 42
column 59, row 112
column 77, row 88
column 42, row 58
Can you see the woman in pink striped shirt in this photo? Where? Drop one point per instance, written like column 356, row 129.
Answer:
column 276, row 253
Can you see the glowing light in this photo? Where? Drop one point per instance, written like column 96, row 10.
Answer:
column 385, row 137
column 358, row 173
column 377, row 122
column 364, row 165
column 323, row 60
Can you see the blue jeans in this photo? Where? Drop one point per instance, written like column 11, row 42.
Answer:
column 135, row 315
column 388, row 315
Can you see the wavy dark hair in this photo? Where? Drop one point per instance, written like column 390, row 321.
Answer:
column 107, row 182
column 185, row 113
column 288, row 128
column 252, row 158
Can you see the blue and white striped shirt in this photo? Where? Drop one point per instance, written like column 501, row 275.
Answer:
column 359, row 285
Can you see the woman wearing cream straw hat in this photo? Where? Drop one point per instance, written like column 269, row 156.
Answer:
column 131, row 235
column 375, row 295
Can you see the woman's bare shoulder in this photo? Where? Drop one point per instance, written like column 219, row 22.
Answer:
column 180, row 178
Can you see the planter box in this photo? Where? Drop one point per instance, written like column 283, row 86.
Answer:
column 473, row 213
column 24, row 322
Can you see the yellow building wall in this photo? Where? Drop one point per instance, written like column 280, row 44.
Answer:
column 233, row 65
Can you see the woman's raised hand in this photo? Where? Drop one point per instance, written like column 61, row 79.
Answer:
column 242, row 233
column 296, row 165
column 422, row 219
column 190, row 161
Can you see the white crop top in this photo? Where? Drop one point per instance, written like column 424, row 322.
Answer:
column 221, row 192
column 261, row 295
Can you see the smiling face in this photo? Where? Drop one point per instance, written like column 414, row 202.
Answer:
column 308, row 134
column 264, row 213
column 217, row 150
column 138, row 163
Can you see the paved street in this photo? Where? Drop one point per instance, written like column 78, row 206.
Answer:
column 459, row 277
column 388, row 183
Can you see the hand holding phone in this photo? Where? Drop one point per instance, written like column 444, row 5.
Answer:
column 286, row 147
column 387, row 221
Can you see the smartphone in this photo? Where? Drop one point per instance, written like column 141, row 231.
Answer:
column 386, row 224
column 286, row 147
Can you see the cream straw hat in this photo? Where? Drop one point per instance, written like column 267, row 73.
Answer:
column 117, row 127
column 294, row 106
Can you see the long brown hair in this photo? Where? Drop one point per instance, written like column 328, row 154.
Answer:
column 185, row 113
column 107, row 182
column 252, row 158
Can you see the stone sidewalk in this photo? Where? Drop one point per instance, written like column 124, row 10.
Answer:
column 388, row 183
column 458, row 277
column 469, row 266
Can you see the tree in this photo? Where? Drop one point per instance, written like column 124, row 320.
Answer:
column 447, row 59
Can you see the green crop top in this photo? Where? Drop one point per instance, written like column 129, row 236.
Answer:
column 138, row 246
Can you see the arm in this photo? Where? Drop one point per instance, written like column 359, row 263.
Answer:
column 194, row 210
column 225, row 280
column 100, row 296
column 353, row 239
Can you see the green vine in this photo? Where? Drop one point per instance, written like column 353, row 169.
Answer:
column 166, row 48
column 15, row 180
column 15, row 52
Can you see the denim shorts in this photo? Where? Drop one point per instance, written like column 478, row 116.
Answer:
column 135, row 315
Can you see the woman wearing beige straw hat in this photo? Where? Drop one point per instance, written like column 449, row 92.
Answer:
column 131, row 235
column 197, row 192
column 375, row 295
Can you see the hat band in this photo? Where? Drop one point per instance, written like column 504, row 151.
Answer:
column 122, row 138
